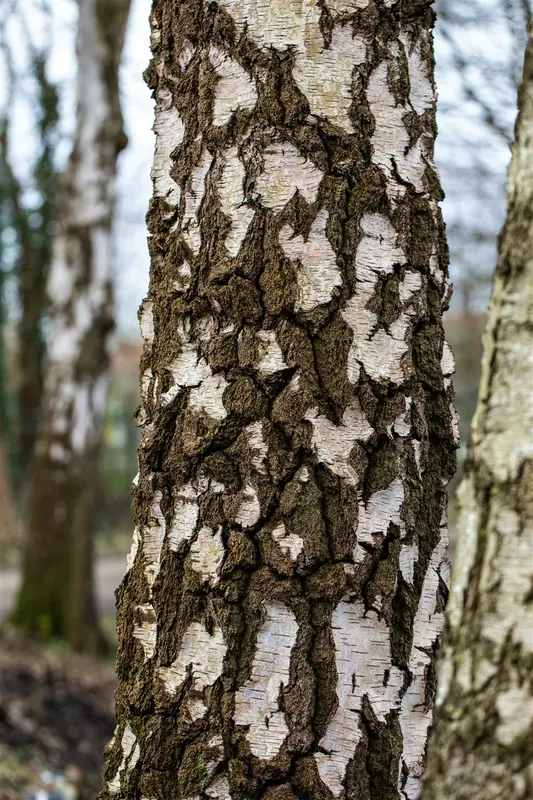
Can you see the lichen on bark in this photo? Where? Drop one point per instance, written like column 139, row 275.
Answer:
column 297, row 419
column 483, row 742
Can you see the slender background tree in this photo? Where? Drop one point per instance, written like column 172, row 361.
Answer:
column 483, row 742
column 56, row 597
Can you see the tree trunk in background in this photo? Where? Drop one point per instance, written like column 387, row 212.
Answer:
column 285, row 588
column 483, row 742
column 33, row 267
column 8, row 528
column 56, row 597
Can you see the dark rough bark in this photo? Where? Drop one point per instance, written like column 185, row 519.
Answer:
column 483, row 742
column 56, row 597
column 284, row 594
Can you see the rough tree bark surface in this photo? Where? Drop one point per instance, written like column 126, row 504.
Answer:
column 56, row 597
column 285, row 588
column 483, row 743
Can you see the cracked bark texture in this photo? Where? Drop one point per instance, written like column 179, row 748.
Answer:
column 284, row 592
column 56, row 596
column 483, row 741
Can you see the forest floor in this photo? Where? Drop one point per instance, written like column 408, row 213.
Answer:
column 56, row 715
column 56, row 708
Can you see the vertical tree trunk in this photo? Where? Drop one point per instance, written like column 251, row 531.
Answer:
column 8, row 527
column 284, row 592
column 483, row 742
column 56, row 597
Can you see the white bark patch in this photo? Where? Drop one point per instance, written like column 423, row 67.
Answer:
column 187, row 370
column 202, row 657
column 257, row 445
column 334, row 443
column 207, row 554
column 147, row 321
column 146, row 630
column 274, row 24
column 364, row 666
column 183, row 280
column 346, row 6
column 390, row 140
column 270, row 355
column 408, row 559
column 257, row 701
column 434, row 267
column 146, row 383
column 186, row 513
column 466, row 551
column 208, row 397
column 325, row 75
column 153, row 536
column 318, row 273
column 510, row 570
column 134, row 549
column 193, row 199
column 379, row 351
column 383, row 509
column 447, row 361
column 249, row 510
column 169, row 131
column 421, row 91
column 286, row 171
column 130, row 756
column 515, row 710
column 402, row 424
column 234, row 90
column 230, row 190
column 191, row 371
column 415, row 713
column 290, row 543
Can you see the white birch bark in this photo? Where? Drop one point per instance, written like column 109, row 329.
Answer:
column 484, row 734
column 298, row 424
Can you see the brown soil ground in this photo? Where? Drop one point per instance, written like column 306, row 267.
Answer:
column 56, row 713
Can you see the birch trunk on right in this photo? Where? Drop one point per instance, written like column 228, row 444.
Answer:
column 483, row 743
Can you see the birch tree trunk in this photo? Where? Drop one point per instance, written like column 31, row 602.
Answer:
column 483, row 743
column 56, row 597
column 284, row 592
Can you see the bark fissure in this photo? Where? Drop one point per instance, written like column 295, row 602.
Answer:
column 313, row 437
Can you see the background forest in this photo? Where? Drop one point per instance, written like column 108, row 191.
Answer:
column 479, row 57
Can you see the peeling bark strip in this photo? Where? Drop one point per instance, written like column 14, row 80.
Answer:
column 56, row 595
column 483, row 743
column 278, row 629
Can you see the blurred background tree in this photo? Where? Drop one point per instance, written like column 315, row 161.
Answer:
column 56, row 597
column 482, row 745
